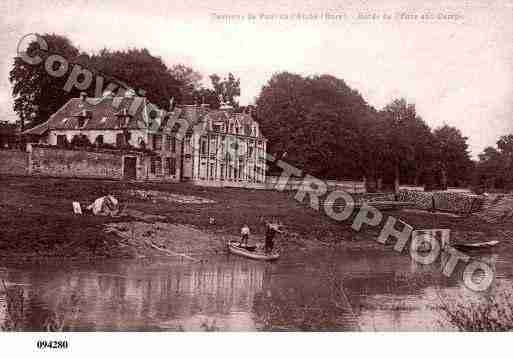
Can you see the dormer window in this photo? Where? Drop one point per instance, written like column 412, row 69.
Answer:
column 218, row 127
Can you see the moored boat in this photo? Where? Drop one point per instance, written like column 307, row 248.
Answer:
column 252, row 254
column 474, row 246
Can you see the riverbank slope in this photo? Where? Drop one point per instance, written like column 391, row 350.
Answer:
column 37, row 220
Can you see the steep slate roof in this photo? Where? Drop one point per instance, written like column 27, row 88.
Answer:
column 37, row 130
column 102, row 114
column 197, row 116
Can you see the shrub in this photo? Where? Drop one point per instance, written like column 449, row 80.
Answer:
column 488, row 314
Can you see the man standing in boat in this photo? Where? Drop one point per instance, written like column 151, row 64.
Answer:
column 271, row 229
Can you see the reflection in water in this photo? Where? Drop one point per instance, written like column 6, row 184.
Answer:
column 348, row 290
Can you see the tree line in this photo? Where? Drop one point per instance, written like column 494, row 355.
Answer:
column 320, row 124
column 37, row 94
column 494, row 167
column 317, row 123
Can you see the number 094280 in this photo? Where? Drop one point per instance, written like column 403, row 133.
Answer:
column 52, row 344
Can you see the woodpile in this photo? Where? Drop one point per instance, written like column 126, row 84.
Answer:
column 461, row 203
column 421, row 200
column 497, row 209
column 388, row 205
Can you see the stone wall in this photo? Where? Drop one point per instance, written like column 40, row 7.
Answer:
column 14, row 162
column 72, row 163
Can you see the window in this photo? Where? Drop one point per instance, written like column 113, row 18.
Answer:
column 211, row 170
column 222, row 172
column 156, row 166
column 157, row 142
column 99, row 140
column 170, row 166
column 217, row 127
column 188, row 144
column 152, row 165
column 250, row 152
column 141, row 142
column 173, row 144
column 62, row 140
column 203, row 146
column 120, row 140
column 213, row 145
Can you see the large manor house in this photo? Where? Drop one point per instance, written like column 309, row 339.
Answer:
column 195, row 143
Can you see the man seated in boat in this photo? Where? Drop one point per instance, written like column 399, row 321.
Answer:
column 244, row 232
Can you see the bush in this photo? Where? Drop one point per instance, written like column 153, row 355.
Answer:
column 488, row 314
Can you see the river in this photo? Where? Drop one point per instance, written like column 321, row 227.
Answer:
column 343, row 289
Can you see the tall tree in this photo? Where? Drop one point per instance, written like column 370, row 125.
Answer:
column 36, row 93
column 453, row 158
column 206, row 95
column 495, row 165
column 227, row 89
column 317, row 121
column 189, row 79
column 141, row 71
column 401, row 127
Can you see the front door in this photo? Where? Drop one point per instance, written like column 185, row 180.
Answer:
column 129, row 168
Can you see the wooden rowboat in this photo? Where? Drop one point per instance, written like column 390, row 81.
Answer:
column 252, row 254
column 471, row 246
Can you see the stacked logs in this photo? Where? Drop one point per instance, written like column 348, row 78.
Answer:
column 497, row 209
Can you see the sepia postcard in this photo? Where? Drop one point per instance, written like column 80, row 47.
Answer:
column 254, row 166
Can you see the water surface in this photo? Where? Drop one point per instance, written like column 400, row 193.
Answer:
column 371, row 289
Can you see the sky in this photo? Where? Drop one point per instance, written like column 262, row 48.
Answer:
column 456, row 65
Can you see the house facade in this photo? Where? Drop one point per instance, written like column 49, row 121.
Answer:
column 190, row 143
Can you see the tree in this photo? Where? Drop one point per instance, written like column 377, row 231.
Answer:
column 189, row 79
column 318, row 122
column 206, row 95
column 142, row 71
column 227, row 89
column 404, row 139
column 453, row 158
column 37, row 94
column 495, row 165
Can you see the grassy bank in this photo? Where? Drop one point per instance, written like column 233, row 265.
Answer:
column 37, row 220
